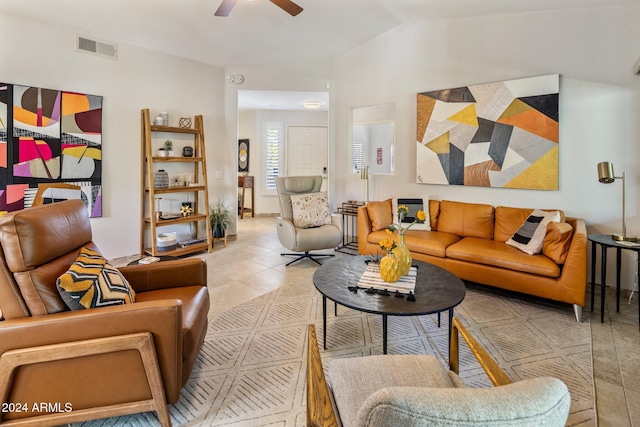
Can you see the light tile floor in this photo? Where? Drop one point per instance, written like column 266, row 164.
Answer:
column 251, row 266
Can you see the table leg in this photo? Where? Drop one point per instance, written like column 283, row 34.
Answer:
column 384, row 334
column 450, row 329
column 324, row 322
column 603, row 279
column 593, row 273
column 335, row 308
column 438, row 320
column 618, row 265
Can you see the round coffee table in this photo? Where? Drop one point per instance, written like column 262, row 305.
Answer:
column 436, row 290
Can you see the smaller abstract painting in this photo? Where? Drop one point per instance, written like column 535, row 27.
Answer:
column 243, row 155
column 502, row 134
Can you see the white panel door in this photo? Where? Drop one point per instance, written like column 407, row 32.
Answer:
column 307, row 152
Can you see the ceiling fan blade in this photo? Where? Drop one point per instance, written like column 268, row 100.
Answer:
column 225, row 8
column 288, row 6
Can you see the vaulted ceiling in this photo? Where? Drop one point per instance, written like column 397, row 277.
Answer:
column 257, row 32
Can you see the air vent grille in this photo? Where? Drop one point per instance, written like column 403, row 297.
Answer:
column 106, row 50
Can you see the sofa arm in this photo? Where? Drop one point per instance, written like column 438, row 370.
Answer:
column 166, row 274
column 163, row 319
column 364, row 229
column 574, row 272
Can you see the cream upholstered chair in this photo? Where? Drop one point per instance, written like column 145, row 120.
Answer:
column 410, row 390
column 303, row 240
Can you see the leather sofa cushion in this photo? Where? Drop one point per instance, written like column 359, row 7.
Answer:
column 557, row 241
column 509, row 220
column 466, row 219
column 380, row 214
column 498, row 254
column 432, row 243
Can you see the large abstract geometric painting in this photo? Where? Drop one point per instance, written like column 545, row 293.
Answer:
column 47, row 137
column 501, row 134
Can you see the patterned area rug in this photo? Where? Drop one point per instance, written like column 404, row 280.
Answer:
column 251, row 370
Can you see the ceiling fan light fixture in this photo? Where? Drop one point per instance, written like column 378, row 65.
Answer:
column 312, row 105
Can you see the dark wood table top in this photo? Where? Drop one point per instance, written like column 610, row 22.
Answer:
column 436, row 289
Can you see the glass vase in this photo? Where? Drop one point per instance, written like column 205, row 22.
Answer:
column 403, row 255
column 389, row 268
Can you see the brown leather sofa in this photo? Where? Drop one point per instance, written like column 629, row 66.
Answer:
column 88, row 366
column 468, row 239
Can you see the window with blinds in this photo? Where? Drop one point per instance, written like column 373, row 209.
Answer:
column 274, row 145
column 356, row 154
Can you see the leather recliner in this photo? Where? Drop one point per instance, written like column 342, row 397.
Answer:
column 89, row 364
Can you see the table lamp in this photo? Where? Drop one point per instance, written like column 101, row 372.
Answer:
column 606, row 176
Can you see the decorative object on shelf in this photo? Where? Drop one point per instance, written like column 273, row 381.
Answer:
column 162, row 152
column 167, row 241
column 389, row 266
column 165, row 118
column 161, row 179
column 158, row 121
column 519, row 118
column 187, row 151
column 158, row 211
column 219, row 218
column 176, row 180
column 185, row 123
column 606, row 176
column 168, row 147
column 401, row 251
column 185, row 210
column 243, row 155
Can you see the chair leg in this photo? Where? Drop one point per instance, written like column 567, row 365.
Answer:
column 304, row 255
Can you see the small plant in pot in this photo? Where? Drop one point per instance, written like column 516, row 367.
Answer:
column 219, row 218
column 168, row 147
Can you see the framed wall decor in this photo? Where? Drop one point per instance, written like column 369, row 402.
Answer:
column 49, row 136
column 503, row 134
column 243, row 155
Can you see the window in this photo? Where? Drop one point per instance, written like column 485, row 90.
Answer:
column 274, row 147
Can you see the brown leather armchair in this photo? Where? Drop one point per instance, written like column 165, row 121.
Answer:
column 59, row 366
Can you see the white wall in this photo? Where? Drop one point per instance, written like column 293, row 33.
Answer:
column 37, row 54
column 593, row 50
column 250, row 126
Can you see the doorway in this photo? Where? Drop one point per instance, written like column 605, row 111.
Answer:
column 303, row 141
column 308, row 152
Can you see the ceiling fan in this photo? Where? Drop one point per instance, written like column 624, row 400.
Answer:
column 287, row 5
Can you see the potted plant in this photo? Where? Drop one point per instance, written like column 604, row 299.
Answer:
column 219, row 218
column 168, row 147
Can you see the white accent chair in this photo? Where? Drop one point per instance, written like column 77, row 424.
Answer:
column 417, row 390
column 304, row 240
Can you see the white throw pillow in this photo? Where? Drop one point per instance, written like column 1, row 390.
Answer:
column 413, row 204
column 311, row 209
column 530, row 236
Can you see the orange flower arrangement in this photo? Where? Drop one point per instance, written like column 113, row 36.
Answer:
column 420, row 218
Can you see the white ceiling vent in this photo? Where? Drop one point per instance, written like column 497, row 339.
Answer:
column 96, row 47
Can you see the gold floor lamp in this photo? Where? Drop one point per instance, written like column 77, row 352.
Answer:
column 606, row 176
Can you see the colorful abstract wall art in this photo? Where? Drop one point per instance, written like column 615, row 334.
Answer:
column 501, row 134
column 49, row 137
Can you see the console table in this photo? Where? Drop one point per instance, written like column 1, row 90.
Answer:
column 245, row 182
column 605, row 241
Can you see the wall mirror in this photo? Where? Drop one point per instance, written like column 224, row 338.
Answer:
column 373, row 139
